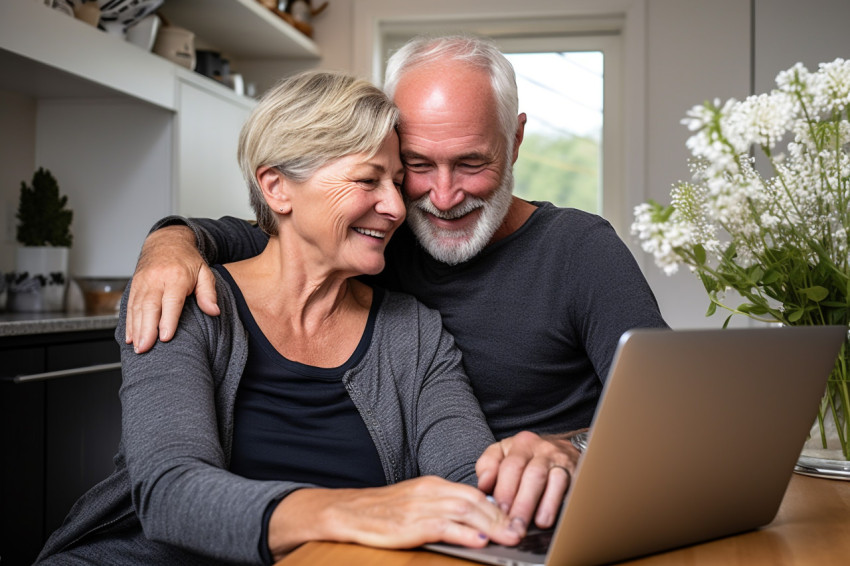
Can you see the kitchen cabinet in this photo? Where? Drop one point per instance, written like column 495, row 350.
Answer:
column 59, row 430
column 130, row 136
column 209, row 177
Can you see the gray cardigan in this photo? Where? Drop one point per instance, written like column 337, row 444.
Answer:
column 171, row 498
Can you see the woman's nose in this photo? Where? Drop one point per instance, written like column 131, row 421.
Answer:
column 391, row 202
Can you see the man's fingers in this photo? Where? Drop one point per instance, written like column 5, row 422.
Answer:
column 487, row 467
column 129, row 328
column 205, row 292
column 559, row 482
column 532, row 484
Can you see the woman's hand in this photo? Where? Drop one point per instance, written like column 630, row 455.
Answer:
column 527, row 472
column 404, row 515
column 169, row 268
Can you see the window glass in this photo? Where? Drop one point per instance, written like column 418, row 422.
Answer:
column 562, row 95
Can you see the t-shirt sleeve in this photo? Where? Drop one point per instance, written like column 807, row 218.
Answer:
column 225, row 240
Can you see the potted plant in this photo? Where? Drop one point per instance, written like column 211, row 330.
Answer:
column 44, row 235
column 765, row 221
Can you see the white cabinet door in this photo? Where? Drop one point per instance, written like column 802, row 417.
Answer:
column 209, row 183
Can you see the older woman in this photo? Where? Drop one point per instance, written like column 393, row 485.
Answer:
column 304, row 411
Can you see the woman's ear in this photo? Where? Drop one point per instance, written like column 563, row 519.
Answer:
column 273, row 184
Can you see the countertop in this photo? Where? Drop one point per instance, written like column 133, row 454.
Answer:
column 21, row 324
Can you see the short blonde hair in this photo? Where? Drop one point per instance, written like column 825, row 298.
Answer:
column 305, row 122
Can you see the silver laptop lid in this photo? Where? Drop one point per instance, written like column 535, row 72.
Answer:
column 695, row 437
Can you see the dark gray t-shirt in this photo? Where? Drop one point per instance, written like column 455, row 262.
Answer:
column 537, row 315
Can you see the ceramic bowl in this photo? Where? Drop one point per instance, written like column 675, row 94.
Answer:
column 143, row 34
column 102, row 295
column 117, row 16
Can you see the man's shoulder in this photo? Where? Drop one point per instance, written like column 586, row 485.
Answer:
column 556, row 227
column 550, row 216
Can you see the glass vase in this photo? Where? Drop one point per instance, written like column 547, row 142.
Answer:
column 827, row 451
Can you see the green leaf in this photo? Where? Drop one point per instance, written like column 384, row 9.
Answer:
column 750, row 308
column 726, row 322
column 712, row 308
column 816, row 293
column 699, row 254
column 795, row 315
column 770, row 276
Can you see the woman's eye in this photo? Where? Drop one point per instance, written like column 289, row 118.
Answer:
column 370, row 182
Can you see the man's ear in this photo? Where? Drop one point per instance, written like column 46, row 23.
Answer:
column 520, row 131
column 274, row 185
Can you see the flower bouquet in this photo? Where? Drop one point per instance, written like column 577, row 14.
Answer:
column 767, row 214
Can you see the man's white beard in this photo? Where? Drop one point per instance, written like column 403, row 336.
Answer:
column 456, row 246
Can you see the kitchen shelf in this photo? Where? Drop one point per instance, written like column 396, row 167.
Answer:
column 47, row 54
column 243, row 29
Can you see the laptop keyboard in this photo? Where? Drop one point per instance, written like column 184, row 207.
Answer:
column 537, row 542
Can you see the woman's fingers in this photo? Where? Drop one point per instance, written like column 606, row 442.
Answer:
column 423, row 510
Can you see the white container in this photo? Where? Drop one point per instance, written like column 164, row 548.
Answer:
column 143, row 34
column 40, row 279
column 177, row 45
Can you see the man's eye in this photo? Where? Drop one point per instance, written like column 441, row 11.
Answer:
column 416, row 166
column 471, row 165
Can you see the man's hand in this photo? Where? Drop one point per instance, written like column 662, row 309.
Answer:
column 527, row 472
column 169, row 269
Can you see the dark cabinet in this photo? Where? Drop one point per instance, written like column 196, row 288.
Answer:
column 59, row 430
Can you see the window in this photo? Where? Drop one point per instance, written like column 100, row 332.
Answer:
column 570, row 87
column 560, row 157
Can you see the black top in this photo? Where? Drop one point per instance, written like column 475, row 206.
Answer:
column 297, row 422
column 537, row 315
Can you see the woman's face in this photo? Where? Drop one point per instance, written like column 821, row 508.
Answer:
column 344, row 215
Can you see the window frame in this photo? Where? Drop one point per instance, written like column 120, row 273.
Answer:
column 565, row 33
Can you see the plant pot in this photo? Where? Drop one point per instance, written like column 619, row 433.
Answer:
column 39, row 281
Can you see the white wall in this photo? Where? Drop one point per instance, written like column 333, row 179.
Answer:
column 696, row 51
column 17, row 155
column 678, row 54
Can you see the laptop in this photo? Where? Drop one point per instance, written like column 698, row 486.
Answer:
column 695, row 438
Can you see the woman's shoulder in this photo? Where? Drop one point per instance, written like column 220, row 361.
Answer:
column 404, row 312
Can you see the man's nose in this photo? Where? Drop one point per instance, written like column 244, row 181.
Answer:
column 446, row 192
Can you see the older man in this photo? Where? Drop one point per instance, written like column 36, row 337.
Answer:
column 536, row 296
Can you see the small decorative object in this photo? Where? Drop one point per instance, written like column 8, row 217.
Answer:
column 64, row 6
column 41, row 262
column 302, row 13
column 775, row 231
column 177, row 45
column 112, row 16
column 117, row 16
column 88, row 12
column 297, row 13
column 102, row 295
column 143, row 34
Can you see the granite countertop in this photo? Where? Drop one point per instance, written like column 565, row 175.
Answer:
column 20, row 324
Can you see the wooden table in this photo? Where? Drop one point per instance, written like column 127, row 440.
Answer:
column 811, row 528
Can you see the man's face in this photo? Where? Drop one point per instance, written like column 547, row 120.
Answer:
column 458, row 180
